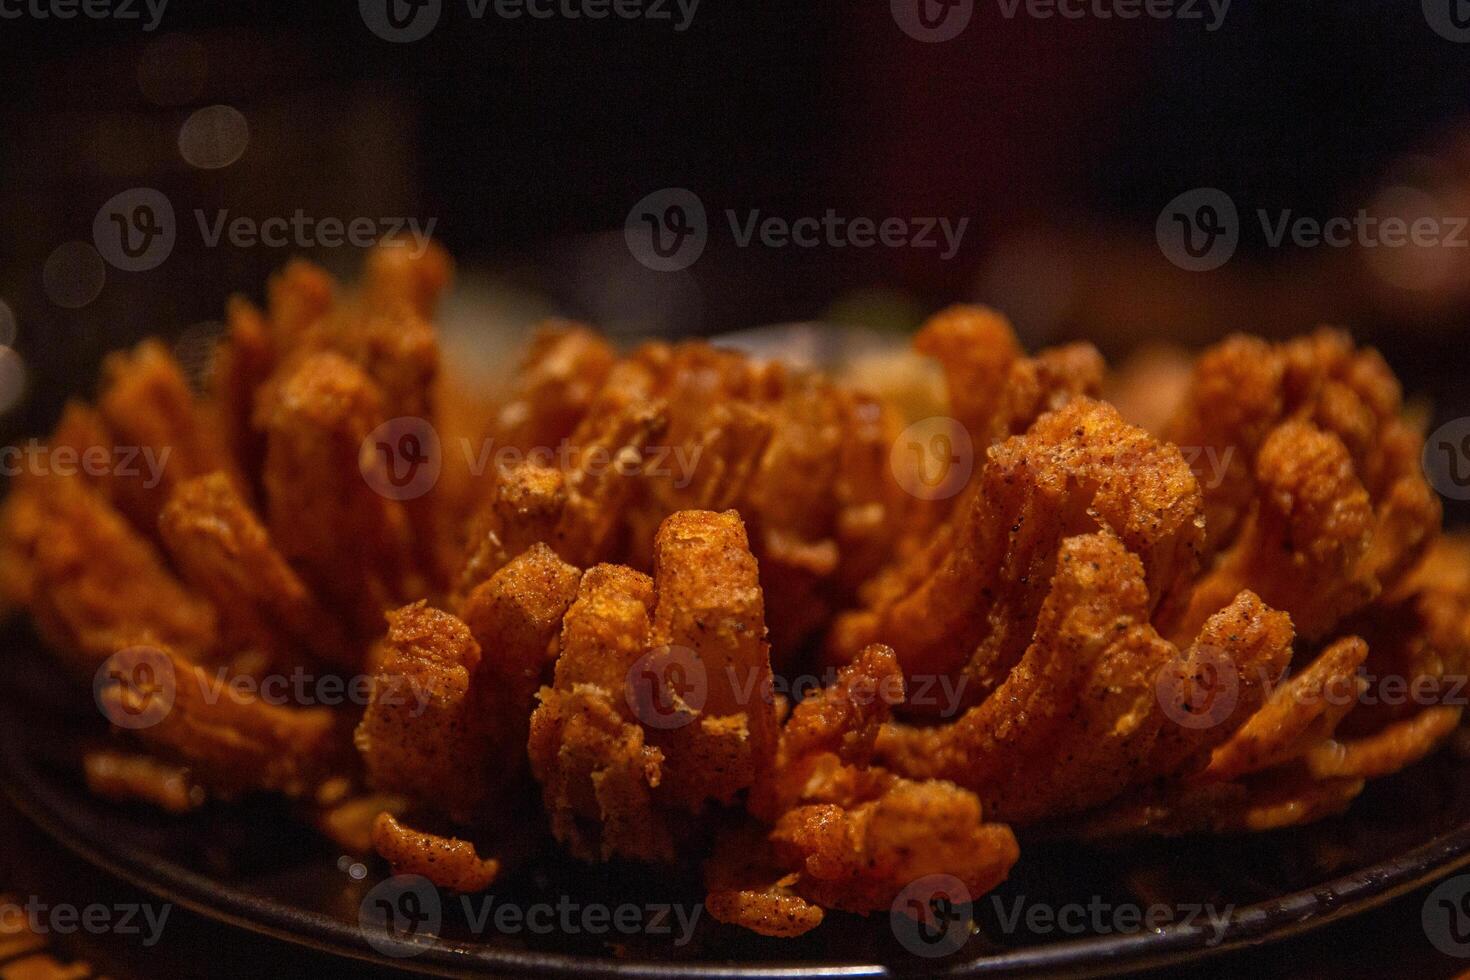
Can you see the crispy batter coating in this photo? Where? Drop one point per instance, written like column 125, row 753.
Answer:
column 231, row 740
column 242, row 366
column 399, row 271
column 516, row 617
column 1066, row 605
column 577, row 511
column 1303, row 546
column 586, row 748
column 554, row 387
column 709, row 603
column 351, row 544
column 804, row 461
column 995, row 391
column 147, row 405
column 225, row 552
column 746, row 886
column 1388, row 750
column 418, row 735
column 614, row 770
column 96, row 584
column 1314, row 458
column 846, row 835
column 446, row 861
column 858, row 859
column 1272, row 801
column 1302, row 711
column 1082, row 715
column 969, row 611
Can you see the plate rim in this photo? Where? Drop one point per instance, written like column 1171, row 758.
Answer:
column 1249, row 926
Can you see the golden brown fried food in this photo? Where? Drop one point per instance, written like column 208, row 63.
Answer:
column 577, row 511
column 804, row 461
column 446, row 861
column 1304, row 544
column 1083, row 715
column 419, row 735
column 1386, row 751
column 242, row 366
column 969, row 611
column 404, row 272
column 224, row 551
column 709, row 604
column 1042, row 632
column 147, row 405
column 352, row 544
column 1274, row 800
column 660, row 701
column 586, row 747
column 95, row 584
column 995, row 391
column 554, row 387
column 1353, row 512
column 516, row 617
column 231, row 739
column 859, row 859
column 1301, row 712
column 847, row 835
column 746, row 886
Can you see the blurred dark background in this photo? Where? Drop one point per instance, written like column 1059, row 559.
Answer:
column 527, row 141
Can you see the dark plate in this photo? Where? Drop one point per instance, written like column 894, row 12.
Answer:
column 255, row 866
